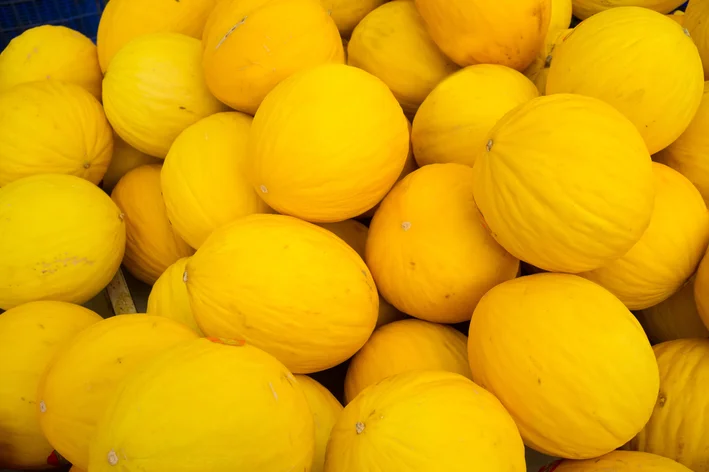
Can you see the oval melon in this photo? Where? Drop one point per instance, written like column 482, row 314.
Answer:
column 348, row 13
column 585, row 8
column 124, row 159
column 169, row 297
column 695, row 21
column 326, row 410
column 619, row 461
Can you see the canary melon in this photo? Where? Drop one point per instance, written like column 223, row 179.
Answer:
column 348, row 13
column 169, row 298
column 559, row 21
column 701, row 290
column 326, row 410
column 619, row 461
column 695, row 21
column 124, row 159
column 585, row 8
column 540, row 76
column 615, row 56
column 334, row 158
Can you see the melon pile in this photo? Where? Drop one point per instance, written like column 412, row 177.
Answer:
column 404, row 236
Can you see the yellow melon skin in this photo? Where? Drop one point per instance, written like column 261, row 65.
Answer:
column 677, row 428
column 559, row 21
column 250, row 46
column 669, row 251
column 169, row 297
column 124, row 159
column 348, row 13
column 619, row 461
column 52, row 127
column 51, row 53
column 580, row 390
column 677, row 16
column 326, row 410
column 615, row 56
column 404, row 346
column 81, row 378
column 505, row 32
column 207, row 406
column 695, row 22
column 288, row 287
column 701, row 290
column 204, row 181
column 540, row 76
column 585, row 8
column 154, row 89
column 30, row 335
column 425, row 421
column 61, row 238
column 565, row 183
column 327, row 144
column 453, row 122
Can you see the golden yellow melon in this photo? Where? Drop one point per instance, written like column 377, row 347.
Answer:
column 348, row 13
column 423, row 421
column 615, row 56
column 677, row 16
column 207, row 406
column 453, row 122
column 619, row 461
column 392, row 43
column 81, row 378
column 61, row 238
column 559, row 21
column 51, row 53
column 250, row 46
column 565, row 183
column 585, row 8
column 326, row 410
column 677, row 428
column 327, row 144
column 169, row 298
column 154, row 89
column 577, row 391
column 30, row 335
column 204, row 180
column 506, row 32
column 124, row 20
column 52, row 127
column 125, row 158
column 701, row 290
column 539, row 77
column 669, row 251
column 695, row 21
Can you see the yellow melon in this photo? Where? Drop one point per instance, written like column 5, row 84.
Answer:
column 30, row 335
column 61, row 239
column 348, row 13
column 695, row 21
column 52, row 127
column 125, row 158
column 701, row 290
column 154, row 89
column 585, row 8
column 615, row 56
column 423, row 421
column 51, row 53
column 169, row 298
column 677, row 16
column 326, row 410
column 453, row 122
column 251, row 46
column 580, row 390
column 559, row 21
column 506, row 32
column 204, row 181
column 207, row 406
column 79, row 381
column 327, row 144
column 540, row 76
column 619, row 461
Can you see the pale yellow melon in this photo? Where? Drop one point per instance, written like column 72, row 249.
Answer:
column 585, row 8
column 125, row 158
column 326, row 410
column 169, row 298
column 619, row 461
column 348, row 13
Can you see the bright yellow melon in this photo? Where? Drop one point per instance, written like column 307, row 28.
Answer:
column 61, row 238
column 207, row 406
column 559, row 21
column 83, row 376
column 169, row 298
column 204, row 179
column 125, row 158
column 327, row 144
column 453, row 122
column 154, row 89
column 701, row 290
column 52, row 127
column 425, row 421
column 326, row 410
column 619, row 461
column 585, row 8
column 540, row 76
column 695, row 21
column 348, row 13
column 578, row 390
column 615, row 56
column 252, row 45
column 29, row 336
column 288, row 287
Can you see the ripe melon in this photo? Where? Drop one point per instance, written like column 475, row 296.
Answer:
column 125, row 158
column 559, row 22
column 424, row 421
column 619, row 461
column 327, row 144
column 83, row 376
column 585, row 8
column 538, row 72
column 169, row 298
column 52, row 127
column 326, row 410
column 29, row 336
column 207, row 406
column 695, row 21
column 348, row 13
column 577, row 391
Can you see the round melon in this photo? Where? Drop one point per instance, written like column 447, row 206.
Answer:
column 577, row 391
column 286, row 286
column 82, row 377
column 453, row 122
column 619, row 461
column 585, row 8
column 51, row 53
column 52, row 127
column 204, row 181
column 615, row 56
column 187, row 410
column 392, row 43
column 61, row 238
column 327, row 144
column 249, row 47
column 403, row 346
column 326, row 410
column 348, row 13
column 433, row 258
column 695, row 21
column 506, row 32
column 574, row 174
column 125, row 158
column 701, row 290
column 169, row 298
column 559, row 21
column 154, row 89
column 422, row 421
column 29, row 336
